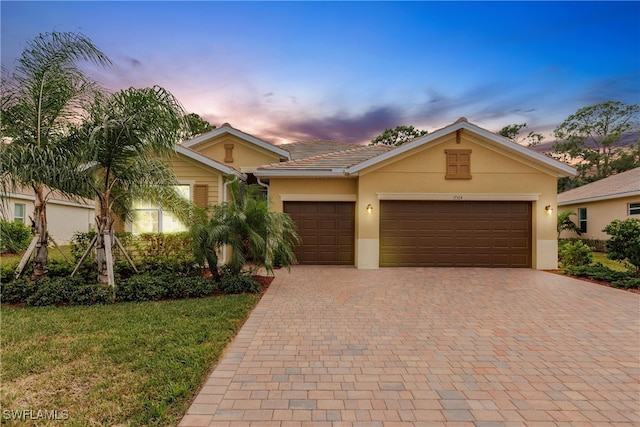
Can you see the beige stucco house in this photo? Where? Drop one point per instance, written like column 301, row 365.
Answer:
column 460, row 196
column 600, row 202
column 64, row 217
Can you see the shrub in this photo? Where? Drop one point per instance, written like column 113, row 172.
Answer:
column 597, row 272
column 90, row 294
column 574, row 254
column 238, row 283
column 165, row 264
column 59, row 268
column 54, row 291
column 629, row 283
column 624, row 244
column 141, row 287
column 16, row 291
column 14, row 236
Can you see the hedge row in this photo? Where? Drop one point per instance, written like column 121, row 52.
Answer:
column 141, row 287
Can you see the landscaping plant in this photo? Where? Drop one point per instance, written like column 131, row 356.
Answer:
column 624, row 244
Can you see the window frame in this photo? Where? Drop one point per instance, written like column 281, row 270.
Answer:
column 582, row 220
column 161, row 213
column 633, row 210
column 24, row 212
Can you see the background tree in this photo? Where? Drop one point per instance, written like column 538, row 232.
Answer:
column 124, row 144
column 397, row 136
column 197, row 125
column 588, row 138
column 512, row 132
column 624, row 244
column 40, row 98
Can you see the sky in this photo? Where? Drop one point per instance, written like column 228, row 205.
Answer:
column 292, row 71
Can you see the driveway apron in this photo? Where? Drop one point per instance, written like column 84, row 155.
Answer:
column 337, row 346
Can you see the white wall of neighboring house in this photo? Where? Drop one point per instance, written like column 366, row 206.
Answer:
column 64, row 217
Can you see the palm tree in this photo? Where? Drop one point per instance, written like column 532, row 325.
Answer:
column 40, row 98
column 125, row 144
column 249, row 229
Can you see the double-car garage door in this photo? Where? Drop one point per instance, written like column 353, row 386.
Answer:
column 419, row 233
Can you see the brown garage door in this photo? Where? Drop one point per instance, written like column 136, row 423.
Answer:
column 457, row 234
column 327, row 230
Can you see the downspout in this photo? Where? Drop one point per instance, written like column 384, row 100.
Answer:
column 267, row 187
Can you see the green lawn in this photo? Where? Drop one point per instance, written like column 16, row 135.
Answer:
column 122, row 364
column 601, row 257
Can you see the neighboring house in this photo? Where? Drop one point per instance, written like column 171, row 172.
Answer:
column 460, row 196
column 600, row 202
column 64, row 217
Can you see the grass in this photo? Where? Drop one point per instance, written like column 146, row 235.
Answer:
column 601, row 257
column 122, row 364
column 9, row 259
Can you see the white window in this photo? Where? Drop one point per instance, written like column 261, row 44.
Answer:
column 148, row 218
column 634, row 209
column 19, row 210
column 582, row 219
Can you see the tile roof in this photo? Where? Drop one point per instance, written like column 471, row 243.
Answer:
column 315, row 147
column 331, row 161
column 621, row 185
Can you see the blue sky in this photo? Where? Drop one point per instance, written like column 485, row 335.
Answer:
column 289, row 71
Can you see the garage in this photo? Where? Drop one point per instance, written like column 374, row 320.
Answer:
column 327, row 230
column 455, row 234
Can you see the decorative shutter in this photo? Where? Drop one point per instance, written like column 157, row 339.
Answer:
column 201, row 195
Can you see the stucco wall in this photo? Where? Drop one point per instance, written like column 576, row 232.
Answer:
column 599, row 215
column 420, row 175
column 64, row 218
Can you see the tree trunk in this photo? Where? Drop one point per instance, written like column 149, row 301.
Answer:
column 105, row 228
column 41, row 252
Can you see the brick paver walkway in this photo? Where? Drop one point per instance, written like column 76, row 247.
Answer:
column 427, row 347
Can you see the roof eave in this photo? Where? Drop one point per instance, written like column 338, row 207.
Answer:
column 252, row 139
column 303, row 173
column 599, row 198
column 562, row 169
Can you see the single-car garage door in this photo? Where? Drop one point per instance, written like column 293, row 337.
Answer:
column 327, row 230
column 455, row 234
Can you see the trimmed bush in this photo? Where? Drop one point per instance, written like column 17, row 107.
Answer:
column 238, row 284
column 153, row 287
column 14, row 236
column 16, row 291
column 574, row 254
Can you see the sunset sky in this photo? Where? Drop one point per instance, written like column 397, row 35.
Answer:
column 289, row 71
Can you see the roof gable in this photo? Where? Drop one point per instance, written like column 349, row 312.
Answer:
column 208, row 162
column 624, row 184
column 560, row 168
column 228, row 129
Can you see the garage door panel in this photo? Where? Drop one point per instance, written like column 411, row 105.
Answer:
column 444, row 233
column 327, row 230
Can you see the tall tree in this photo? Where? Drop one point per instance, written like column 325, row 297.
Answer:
column 124, row 145
column 397, row 136
column 588, row 137
column 40, row 98
column 197, row 125
column 512, row 132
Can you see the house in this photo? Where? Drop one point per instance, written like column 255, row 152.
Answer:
column 64, row 217
column 460, row 196
column 600, row 202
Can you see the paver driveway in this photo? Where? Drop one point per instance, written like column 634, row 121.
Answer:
column 419, row 346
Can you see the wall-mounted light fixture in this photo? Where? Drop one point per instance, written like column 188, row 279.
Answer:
column 549, row 209
column 369, row 208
